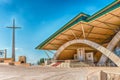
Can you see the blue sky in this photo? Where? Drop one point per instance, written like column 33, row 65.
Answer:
column 39, row 19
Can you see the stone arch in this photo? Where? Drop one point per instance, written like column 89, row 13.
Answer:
column 96, row 46
column 110, row 47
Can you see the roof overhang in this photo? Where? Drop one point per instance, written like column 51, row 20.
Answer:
column 100, row 28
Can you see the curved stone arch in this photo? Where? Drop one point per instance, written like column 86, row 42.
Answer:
column 96, row 46
column 110, row 47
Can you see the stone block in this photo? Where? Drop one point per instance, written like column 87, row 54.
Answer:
column 8, row 60
column 17, row 63
column 100, row 75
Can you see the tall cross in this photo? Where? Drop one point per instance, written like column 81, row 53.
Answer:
column 13, row 39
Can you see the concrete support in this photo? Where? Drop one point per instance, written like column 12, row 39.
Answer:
column 100, row 75
column 110, row 47
column 5, row 53
column 89, row 57
column 96, row 46
column 81, row 54
column 75, row 56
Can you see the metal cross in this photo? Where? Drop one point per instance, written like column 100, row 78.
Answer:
column 13, row 39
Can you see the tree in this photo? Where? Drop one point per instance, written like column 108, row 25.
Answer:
column 40, row 61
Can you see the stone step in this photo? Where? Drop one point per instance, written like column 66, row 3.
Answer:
column 79, row 64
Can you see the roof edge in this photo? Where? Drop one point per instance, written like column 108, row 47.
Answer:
column 81, row 17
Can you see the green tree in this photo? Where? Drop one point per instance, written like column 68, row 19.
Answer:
column 40, row 61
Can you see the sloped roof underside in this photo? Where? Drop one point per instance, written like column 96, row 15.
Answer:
column 99, row 28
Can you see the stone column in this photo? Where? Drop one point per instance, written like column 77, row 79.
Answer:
column 75, row 56
column 5, row 53
column 89, row 57
column 81, row 54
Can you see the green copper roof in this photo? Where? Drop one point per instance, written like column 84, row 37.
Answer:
column 82, row 17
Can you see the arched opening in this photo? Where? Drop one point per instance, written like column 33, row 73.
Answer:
column 70, row 52
column 94, row 45
column 22, row 62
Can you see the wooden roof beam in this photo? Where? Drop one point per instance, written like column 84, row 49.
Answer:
column 67, row 34
column 73, row 34
column 55, row 44
column 88, row 37
column 97, row 26
column 61, row 39
column 107, row 23
column 70, row 45
column 90, row 31
column 108, row 39
column 77, row 31
column 114, row 15
column 74, row 48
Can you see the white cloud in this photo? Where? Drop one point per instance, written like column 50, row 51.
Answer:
column 18, row 49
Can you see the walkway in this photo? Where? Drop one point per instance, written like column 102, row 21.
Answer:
column 49, row 73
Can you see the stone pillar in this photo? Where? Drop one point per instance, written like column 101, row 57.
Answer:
column 5, row 53
column 81, row 54
column 112, row 44
column 75, row 56
column 103, row 75
column 100, row 75
column 89, row 57
column 46, row 62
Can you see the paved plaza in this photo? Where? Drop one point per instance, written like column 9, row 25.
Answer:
column 50, row 73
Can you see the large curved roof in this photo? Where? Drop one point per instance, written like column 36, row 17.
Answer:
column 100, row 28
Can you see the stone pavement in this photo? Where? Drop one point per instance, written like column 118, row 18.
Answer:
column 50, row 73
